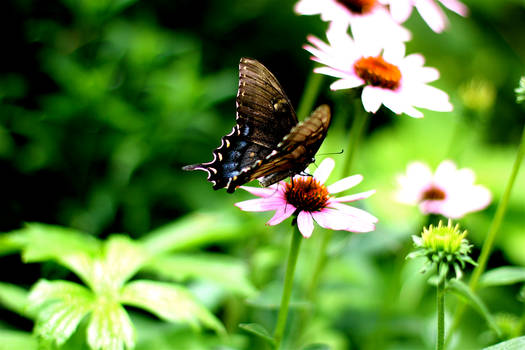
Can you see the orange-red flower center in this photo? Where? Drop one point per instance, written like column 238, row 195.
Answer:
column 433, row 193
column 306, row 193
column 358, row 6
column 377, row 72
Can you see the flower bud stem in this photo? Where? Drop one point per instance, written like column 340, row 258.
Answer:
column 440, row 292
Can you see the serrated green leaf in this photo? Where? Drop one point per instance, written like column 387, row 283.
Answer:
column 15, row 299
column 170, row 302
column 60, row 306
column 258, row 330
column 195, row 230
column 47, row 242
column 465, row 291
column 512, row 344
column 502, row 276
column 109, row 327
column 13, row 340
column 316, row 347
column 228, row 272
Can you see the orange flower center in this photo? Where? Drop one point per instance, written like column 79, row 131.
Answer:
column 377, row 72
column 433, row 194
column 306, row 193
column 358, row 6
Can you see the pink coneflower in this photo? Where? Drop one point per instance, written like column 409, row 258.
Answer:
column 368, row 19
column 428, row 9
column 450, row 191
column 387, row 76
column 309, row 199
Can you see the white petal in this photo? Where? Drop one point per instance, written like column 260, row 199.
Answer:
column 400, row 10
column 346, row 83
column 344, row 184
column 305, row 223
column 357, row 213
column 432, row 14
column 324, row 170
column 372, row 98
column 456, row 6
column 336, row 220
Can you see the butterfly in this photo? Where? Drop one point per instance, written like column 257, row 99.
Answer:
column 267, row 143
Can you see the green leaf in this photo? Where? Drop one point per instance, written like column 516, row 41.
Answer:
column 60, row 306
column 502, row 276
column 110, row 327
column 465, row 291
column 12, row 340
column 169, row 302
column 258, row 330
column 316, row 347
column 512, row 344
column 48, row 242
column 228, row 272
column 195, row 230
column 12, row 242
column 14, row 298
column 120, row 260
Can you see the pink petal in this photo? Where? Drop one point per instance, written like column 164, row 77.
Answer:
column 358, row 214
column 305, row 223
column 324, row 170
column 281, row 214
column 335, row 220
column 261, row 191
column 346, row 83
column 261, row 204
column 353, row 197
column 344, row 184
column 456, row 6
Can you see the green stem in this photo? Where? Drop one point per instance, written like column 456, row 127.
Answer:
column 358, row 127
column 288, row 283
column 321, row 260
column 313, row 86
column 440, row 293
column 493, row 230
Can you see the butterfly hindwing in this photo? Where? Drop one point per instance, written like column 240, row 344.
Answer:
column 267, row 142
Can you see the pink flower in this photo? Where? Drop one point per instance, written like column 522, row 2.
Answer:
column 368, row 19
column 309, row 199
column 450, row 191
column 387, row 76
column 428, row 9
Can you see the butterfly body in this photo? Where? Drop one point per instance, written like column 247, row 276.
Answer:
column 267, row 142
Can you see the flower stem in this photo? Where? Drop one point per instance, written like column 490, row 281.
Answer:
column 358, row 127
column 313, row 86
column 493, row 230
column 440, row 293
column 288, row 283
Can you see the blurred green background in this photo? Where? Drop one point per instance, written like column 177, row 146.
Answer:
column 103, row 102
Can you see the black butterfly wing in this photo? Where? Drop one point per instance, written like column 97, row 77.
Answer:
column 264, row 117
column 296, row 150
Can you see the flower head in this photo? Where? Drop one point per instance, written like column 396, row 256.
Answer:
column 450, row 191
column 309, row 199
column 428, row 9
column 387, row 76
column 444, row 246
column 368, row 19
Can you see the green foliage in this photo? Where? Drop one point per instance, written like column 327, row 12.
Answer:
column 513, row 344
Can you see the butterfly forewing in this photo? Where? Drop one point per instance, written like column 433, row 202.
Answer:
column 266, row 142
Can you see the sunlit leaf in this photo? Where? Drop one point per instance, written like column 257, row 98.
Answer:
column 109, row 327
column 45, row 242
column 513, row 344
column 465, row 291
column 226, row 271
column 60, row 306
column 501, row 276
column 14, row 340
column 169, row 302
column 195, row 230
column 316, row 347
column 258, row 330
column 14, row 298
